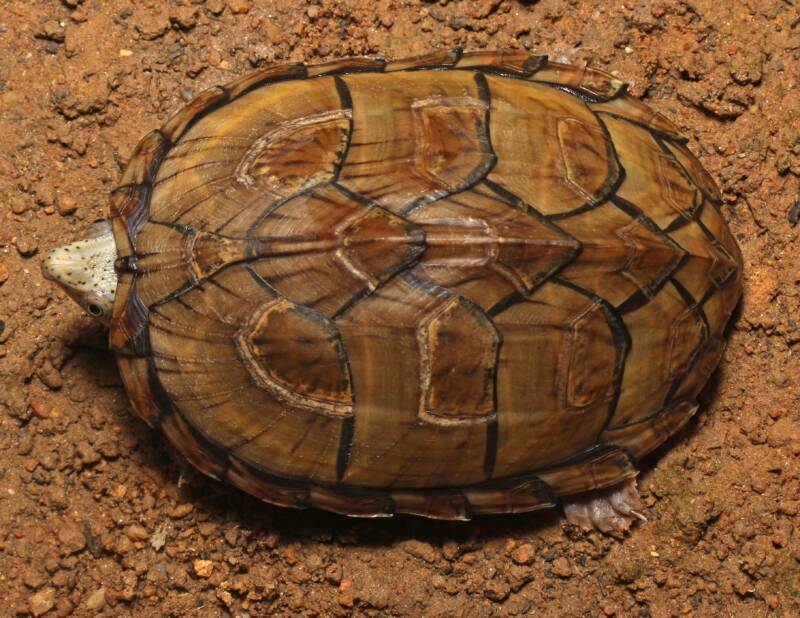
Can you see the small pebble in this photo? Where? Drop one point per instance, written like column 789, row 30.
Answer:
column 41, row 301
column 96, row 600
column 562, row 568
column 52, row 30
column 186, row 17
column 18, row 205
column 181, row 510
column 51, row 377
column 203, row 568
column 42, row 602
column 421, row 550
column 346, row 598
column 159, row 538
column 334, row 574
column 240, row 7
column 207, row 528
column 66, row 205
column 39, row 409
column 33, row 580
column 71, row 538
column 524, row 554
column 3, row 274
column 26, row 246
column 215, row 7
column 136, row 532
column 87, row 454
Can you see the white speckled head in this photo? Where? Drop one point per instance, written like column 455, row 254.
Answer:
column 85, row 269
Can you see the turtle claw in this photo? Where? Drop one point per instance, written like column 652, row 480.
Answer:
column 611, row 510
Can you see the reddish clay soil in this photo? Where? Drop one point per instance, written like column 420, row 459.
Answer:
column 97, row 517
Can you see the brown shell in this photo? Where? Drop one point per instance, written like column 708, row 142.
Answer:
column 456, row 284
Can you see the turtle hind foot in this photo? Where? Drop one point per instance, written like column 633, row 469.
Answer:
column 610, row 510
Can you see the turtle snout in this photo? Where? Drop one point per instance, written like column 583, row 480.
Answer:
column 59, row 265
column 49, row 266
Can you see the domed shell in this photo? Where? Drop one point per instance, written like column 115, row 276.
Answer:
column 455, row 284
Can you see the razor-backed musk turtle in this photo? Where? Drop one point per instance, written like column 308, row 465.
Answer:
column 451, row 285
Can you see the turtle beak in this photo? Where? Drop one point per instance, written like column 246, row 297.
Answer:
column 53, row 264
column 58, row 266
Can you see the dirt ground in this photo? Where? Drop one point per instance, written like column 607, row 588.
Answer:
column 96, row 516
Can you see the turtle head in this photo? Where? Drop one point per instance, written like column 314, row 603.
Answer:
column 85, row 269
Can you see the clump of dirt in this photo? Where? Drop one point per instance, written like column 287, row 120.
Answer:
column 96, row 516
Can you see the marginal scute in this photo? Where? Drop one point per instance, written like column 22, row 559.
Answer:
column 696, row 172
column 512, row 62
column 135, row 377
column 268, row 75
column 595, row 469
column 635, row 111
column 356, row 64
column 722, row 241
column 119, row 228
column 141, row 166
column 704, row 364
column 129, row 332
column 724, row 265
column 276, row 491
column 176, row 126
column 518, row 497
column 447, row 505
column 439, row 58
column 594, row 81
column 642, row 437
column 459, row 347
column 124, row 283
column 196, row 452
column 297, row 353
column 362, row 504
column 125, row 199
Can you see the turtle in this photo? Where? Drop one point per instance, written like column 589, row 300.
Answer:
column 451, row 285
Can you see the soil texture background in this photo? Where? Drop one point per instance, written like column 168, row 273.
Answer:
column 97, row 517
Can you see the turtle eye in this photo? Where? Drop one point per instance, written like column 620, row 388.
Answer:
column 94, row 310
